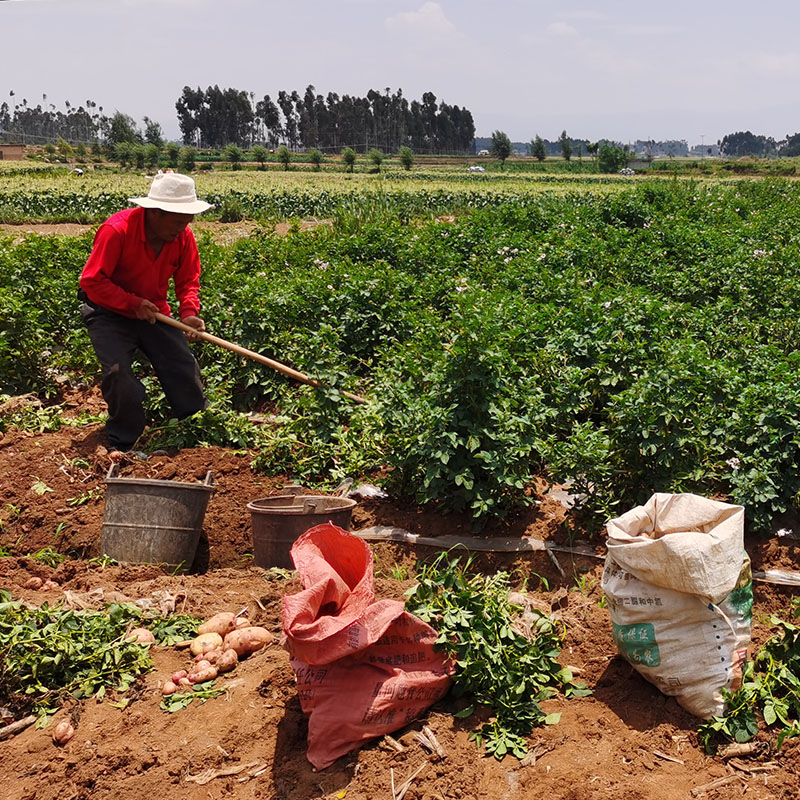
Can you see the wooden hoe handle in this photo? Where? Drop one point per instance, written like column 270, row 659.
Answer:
column 243, row 351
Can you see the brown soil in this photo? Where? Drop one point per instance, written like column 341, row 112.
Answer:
column 626, row 740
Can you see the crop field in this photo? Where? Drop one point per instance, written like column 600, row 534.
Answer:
column 628, row 341
column 512, row 334
column 54, row 195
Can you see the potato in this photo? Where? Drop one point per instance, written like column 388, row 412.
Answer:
column 33, row 583
column 63, row 732
column 220, row 623
column 204, row 643
column 141, row 635
column 168, row 688
column 227, row 661
column 241, row 622
column 201, row 672
column 176, row 676
column 184, row 681
column 247, row 640
column 212, row 656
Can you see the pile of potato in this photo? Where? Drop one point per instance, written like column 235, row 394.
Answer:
column 221, row 641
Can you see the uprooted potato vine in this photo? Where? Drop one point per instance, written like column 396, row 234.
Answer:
column 770, row 688
column 180, row 700
column 50, row 654
column 495, row 664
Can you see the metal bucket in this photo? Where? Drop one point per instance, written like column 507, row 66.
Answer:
column 277, row 521
column 154, row 521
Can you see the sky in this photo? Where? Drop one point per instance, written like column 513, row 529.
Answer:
column 615, row 69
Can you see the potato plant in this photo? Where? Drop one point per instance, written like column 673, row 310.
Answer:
column 629, row 338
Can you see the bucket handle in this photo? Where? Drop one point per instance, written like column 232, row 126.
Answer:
column 311, row 506
column 209, row 481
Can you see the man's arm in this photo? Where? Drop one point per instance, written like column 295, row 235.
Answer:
column 187, row 278
column 97, row 276
column 187, row 285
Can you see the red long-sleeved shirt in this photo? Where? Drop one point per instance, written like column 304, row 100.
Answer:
column 122, row 270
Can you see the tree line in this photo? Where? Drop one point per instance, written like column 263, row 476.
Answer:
column 214, row 118
column 384, row 120
column 745, row 143
column 610, row 156
column 77, row 124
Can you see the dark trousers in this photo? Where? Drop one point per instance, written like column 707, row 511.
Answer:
column 115, row 340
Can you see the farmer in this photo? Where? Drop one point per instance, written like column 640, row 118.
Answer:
column 123, row 285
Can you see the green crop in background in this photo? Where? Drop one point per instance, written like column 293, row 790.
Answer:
column 625, row 336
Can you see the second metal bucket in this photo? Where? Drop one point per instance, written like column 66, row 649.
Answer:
column 277, row 521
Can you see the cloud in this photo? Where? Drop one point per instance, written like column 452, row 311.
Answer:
column 634, row 29
column 561, row 29
column 429, row 20
column 785, row 65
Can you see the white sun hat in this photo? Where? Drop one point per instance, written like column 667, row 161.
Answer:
column 173, row 192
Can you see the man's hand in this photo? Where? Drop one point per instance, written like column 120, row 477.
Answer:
column 193, row 322
column 147, row 311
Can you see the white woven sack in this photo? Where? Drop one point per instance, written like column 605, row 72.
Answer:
column 678, row 584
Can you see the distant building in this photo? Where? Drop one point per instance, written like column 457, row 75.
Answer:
column 705, row 151
column 12, row 152
column 650, row 148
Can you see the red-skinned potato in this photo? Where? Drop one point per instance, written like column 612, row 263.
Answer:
column 227, row 661
column 168, row 688
column 241, row 622
column 220, row 623
column 212, row 656
column 63, row 732
column 141, row 635
column 247, row 640
column 184, row 681
column 176, row 676
column 202, row 671
column 205, row 642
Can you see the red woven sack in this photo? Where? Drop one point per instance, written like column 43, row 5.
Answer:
column 364, row 667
